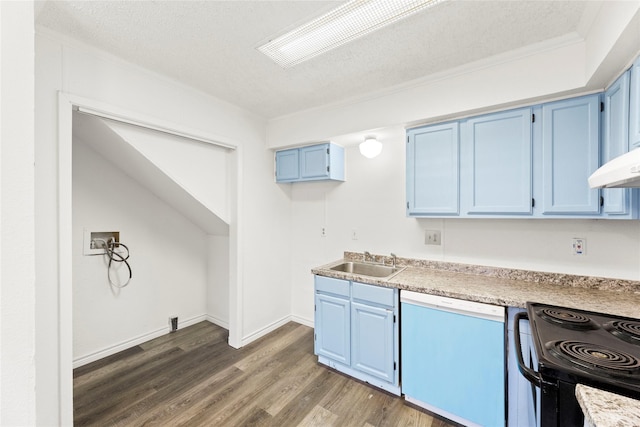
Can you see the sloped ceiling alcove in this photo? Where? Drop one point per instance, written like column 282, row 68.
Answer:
column 109, row 139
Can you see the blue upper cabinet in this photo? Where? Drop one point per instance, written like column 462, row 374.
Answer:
column 311, row 163
column 496, row 164
column 570, row 153
column 287, row 165
column 634, row 105
column 432, row 170
column 314, row 162
column 615, row 142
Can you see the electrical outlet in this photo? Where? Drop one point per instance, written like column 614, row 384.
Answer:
column 432, row 237
column 354, row 234
column 323, row 233
column 173, row 323
column 579, row 246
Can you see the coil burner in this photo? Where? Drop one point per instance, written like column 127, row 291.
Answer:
column 596, row 358
column 626, row 330
column 567, row 319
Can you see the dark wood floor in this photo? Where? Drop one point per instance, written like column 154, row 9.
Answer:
column 193, row 378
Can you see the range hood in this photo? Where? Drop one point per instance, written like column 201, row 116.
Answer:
column 621, row 172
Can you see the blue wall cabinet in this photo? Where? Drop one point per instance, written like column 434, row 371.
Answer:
column 311, row 163
column 287, row 165
column 356, row 330
column 529, row 162
column 634, row 105
column 570, row 153
column 333, row 319
column 496, row 163
column 432, row 170
column 615, row 142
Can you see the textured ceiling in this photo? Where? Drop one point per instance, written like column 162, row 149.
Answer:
column 211, row 45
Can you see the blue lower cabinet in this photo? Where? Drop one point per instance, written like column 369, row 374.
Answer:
column 333, row 338
column 356, row 330
column 454, row 364
column 372, row 340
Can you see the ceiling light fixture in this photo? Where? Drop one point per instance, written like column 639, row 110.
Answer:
column 339, row 26
column 370, row 148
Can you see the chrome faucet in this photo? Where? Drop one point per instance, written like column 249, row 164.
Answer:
column 394, row 258
column 366, row 254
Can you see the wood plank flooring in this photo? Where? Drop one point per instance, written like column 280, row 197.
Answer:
column 193, row 378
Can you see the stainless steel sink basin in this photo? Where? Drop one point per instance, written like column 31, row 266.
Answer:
column 364, row 269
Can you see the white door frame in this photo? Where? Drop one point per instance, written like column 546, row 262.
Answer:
column 66, row 105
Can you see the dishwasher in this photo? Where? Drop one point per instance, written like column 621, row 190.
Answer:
column 453, row 358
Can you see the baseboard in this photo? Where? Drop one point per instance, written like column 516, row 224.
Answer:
column 84, row 360
column 108, row 351
column 302, row 320
column 216, row 321
column 264, row 331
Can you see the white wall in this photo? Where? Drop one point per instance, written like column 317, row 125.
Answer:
column 199, row 167
column 218, row 280
column 17, row 246
column 168, row 260
column 261, row 211
column 372, row 202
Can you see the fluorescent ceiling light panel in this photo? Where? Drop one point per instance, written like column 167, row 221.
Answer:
column 353, row 19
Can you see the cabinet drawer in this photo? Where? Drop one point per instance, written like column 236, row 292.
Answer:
column 375, row 294
column 332, row 286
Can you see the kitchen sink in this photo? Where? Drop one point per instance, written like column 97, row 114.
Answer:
column 364, row 269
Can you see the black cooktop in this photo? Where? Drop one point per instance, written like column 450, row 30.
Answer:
column 579, row 346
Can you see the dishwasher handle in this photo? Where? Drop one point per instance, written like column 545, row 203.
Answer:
column 532, row 376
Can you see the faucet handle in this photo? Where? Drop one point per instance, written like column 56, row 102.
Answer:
column 393, row 259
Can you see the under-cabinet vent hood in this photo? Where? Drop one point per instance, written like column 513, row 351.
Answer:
column 621, row 172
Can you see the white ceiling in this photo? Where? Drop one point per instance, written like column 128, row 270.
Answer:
column 211, row 45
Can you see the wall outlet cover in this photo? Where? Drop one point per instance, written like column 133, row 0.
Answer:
column 579, row 246
column 432, row 237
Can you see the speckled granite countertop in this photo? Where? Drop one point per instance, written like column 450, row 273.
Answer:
column 506, row 287
column 604, row 409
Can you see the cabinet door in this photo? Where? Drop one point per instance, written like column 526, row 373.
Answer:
column 634, row 105
column 287, row 166
column 314, row 162
column 570, row 153
column 372, row 340
column 432, row 170
column 332, row 328
column 497, row 167
column 615, row 139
